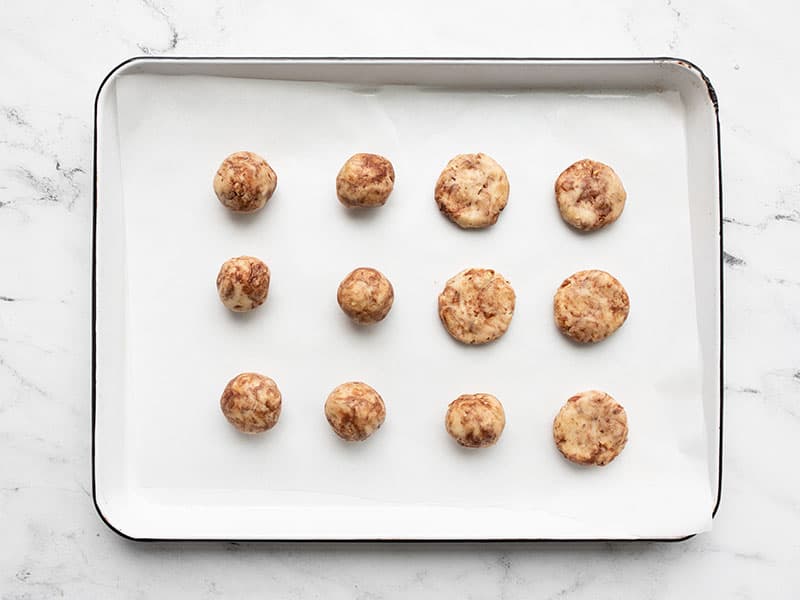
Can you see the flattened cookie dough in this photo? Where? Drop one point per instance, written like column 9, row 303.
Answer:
column 366, row 296
column 244, row 182
column 476, row 306
column 251, row 403
column 475, row 420
column 472, row 190
column 355, row 411
column 365, row 181
column 243, row 283
column 591, row 428
column 590, row 305
column 589, row 195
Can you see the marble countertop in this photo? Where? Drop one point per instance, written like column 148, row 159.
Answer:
column 55, row 55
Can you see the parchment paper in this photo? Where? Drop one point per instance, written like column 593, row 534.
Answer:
column 183, row 345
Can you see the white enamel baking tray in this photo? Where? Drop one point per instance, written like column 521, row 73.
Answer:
column 165, row 463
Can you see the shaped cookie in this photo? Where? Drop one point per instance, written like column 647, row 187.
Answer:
column 476, row 306
column 475, row 420
column 591, row 428
column 589, row 195
column 472, row 190
column 244, row 182
column 365, row 181
column 251, row 402
column 366, row 296
column 243, row 283
column 590, row 305
column 355, row 411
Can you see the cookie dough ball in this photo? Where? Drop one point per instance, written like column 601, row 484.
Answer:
column 589, row 195
column 244, row 182
column 591, row 428
column 472, row 190
column 590, row 306
column 475, row 420
column 355, row 411
column 251, row 403
column 243, row 283
column 366, row 296
column 365, row 181
column 476, row 306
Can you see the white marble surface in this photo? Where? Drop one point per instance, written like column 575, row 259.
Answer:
column 53, row 55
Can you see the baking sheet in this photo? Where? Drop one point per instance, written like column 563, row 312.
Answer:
column 182, row 458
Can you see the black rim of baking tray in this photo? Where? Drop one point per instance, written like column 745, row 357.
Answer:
column 685, row 63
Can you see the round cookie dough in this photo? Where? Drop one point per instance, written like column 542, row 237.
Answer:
column 355, row 411
column 366, row 296
column 475, row 420
column 244, row 182
column 472, row 190
column 476, row 306
column 251, row 403
column 365, row 181
column 590, row 305
column 243, row 283
column 589, row 195
column 591, row 428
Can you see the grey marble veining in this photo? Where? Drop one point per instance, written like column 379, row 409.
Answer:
column 53, row 58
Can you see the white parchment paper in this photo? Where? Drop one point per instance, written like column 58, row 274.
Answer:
column 183, row 345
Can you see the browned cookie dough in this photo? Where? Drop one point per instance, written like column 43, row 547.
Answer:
column 366, row 296
column 365, row 181
column 590, row 305
column 589, row 195
column 355, row 411
column 472, row 190
column 476, row 306
column 251, row 403
column 475, row 420
column 243, row 283
column 244, row 182
column 591, row 428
